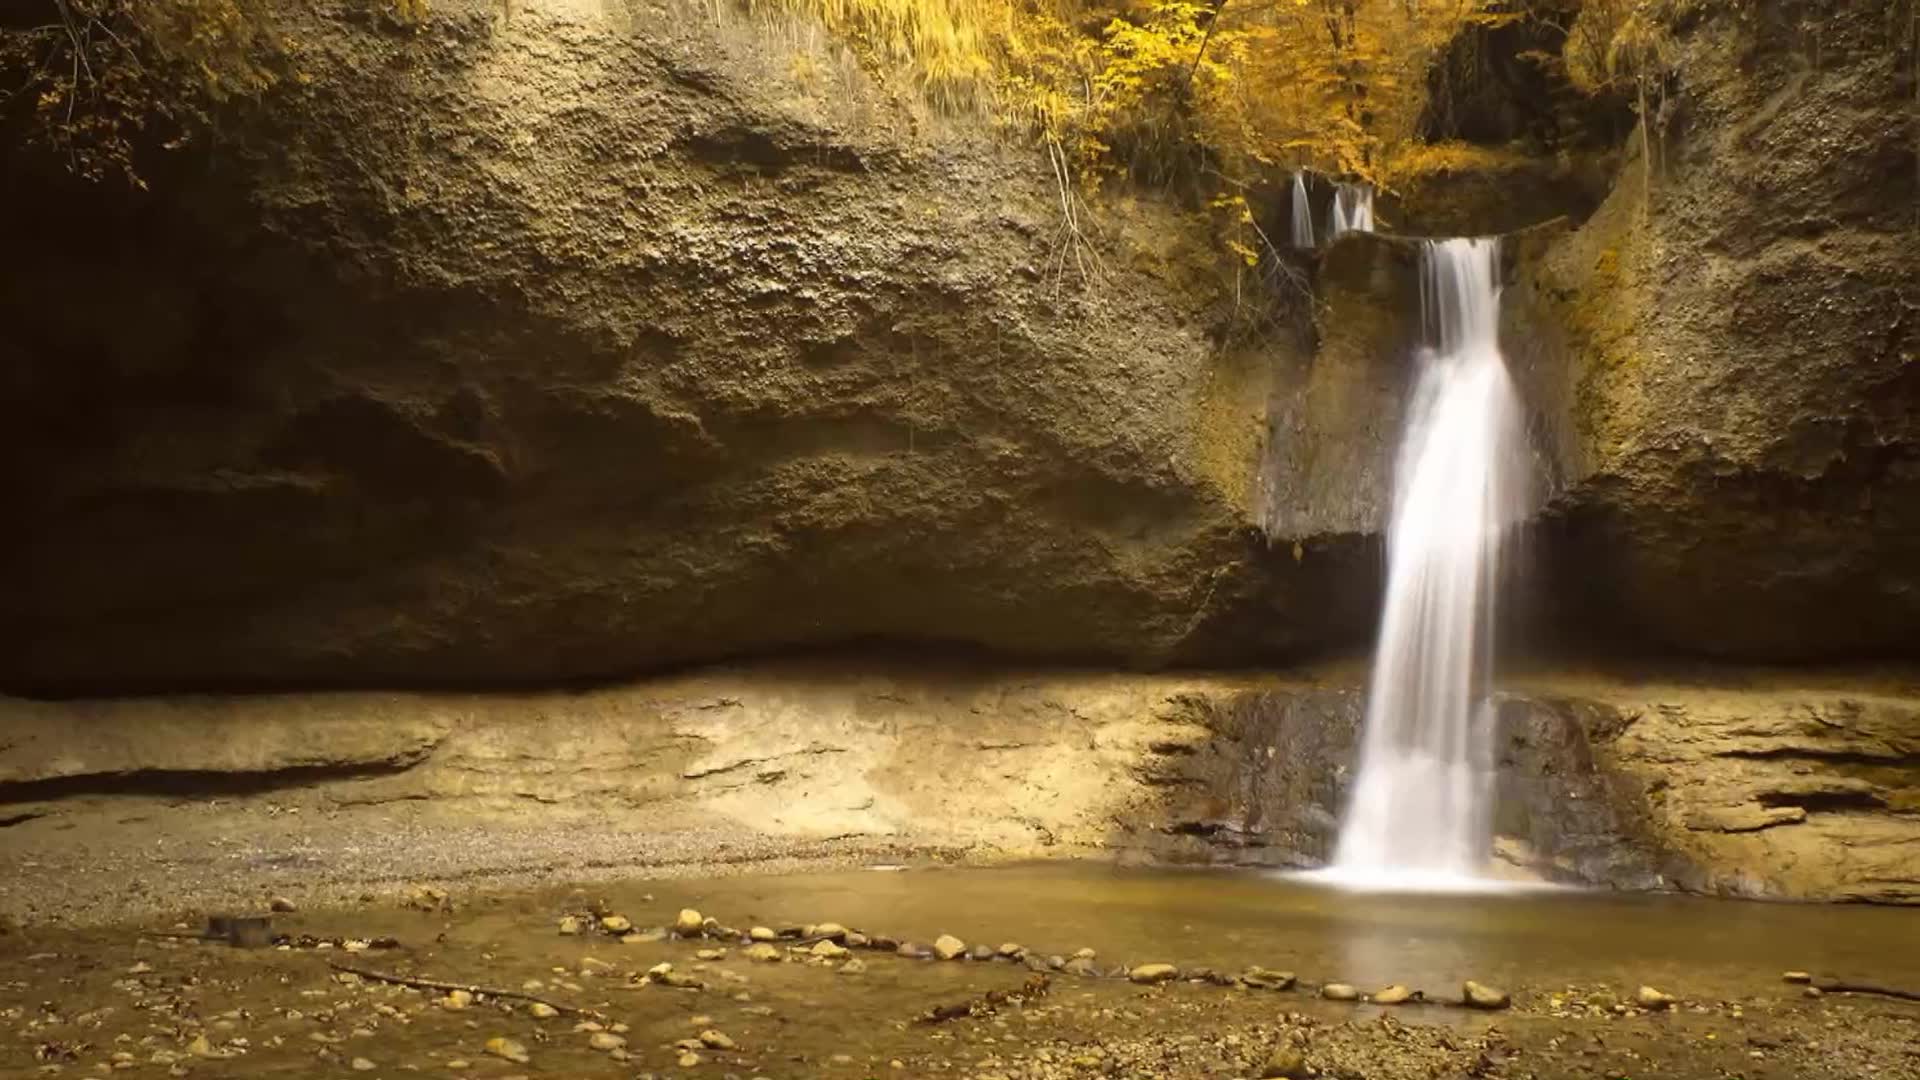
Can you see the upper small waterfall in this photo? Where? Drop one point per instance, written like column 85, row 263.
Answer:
column 1302, row 213
column 1352, row 210
column 1421, row 805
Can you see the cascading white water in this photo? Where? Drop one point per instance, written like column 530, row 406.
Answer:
column 1302, row 213
column 1352, row 210
column 1420, row 813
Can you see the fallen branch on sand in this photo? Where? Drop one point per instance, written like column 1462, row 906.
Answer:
column 988, row 1003
column 1841, row 986
column 471, row 988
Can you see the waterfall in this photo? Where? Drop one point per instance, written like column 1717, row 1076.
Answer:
column 1420, row 812
column 1302, row 213
column 1352, row 210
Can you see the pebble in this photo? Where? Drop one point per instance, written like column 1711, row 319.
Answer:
column 605, row 1040
column 827, row 950
column 913, row 950
column 282, row 904
column 502, row 1047
column 981, row 952
column 540, row 1010
column 688, row 923
column 1795, row 977
column 763, row 952
column 1393, row 995
column 644, row 937
column 715, row 1040
column 711, row 954
column 362, row 1065
column 456, row 1000
column 1013, row 950
column 570, row 925
column 762, row 933
column 1340, row 992
column 616, row 924
column 1481, row 996
column 857, row 940
column 1081, row 967
column 832, row 931
column 948, row 947
column 1649, row 998
column 688, row 1059
column 1084, row 954
column 1148, row 974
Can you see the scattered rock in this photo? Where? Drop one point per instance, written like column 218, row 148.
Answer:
column 763, row 953
column 913, row 950
column 688, row 923
column 1149, row 974
column 140, row 968
column 711, row 954
column 948, row 947
column 1394, row 995
column 1012, row 950
column 855, row 966
column 1481, row 996
column 571, row 925
column 857, row 940
column 1084, row 954
column 1340, row 992
column 714, row 1040
column 1285, row 1063
column 882, row 942
column 680, row 981
column 644, row 937
column 1796, row 977
column 540, row 1010
column 616, row 924
column 832, row 931
column 361, row 1064
column 981, row 953
column 1036, row 962
column 1262, row 979
column 1813, row 992
column 282, row 904
column 502, row 1047
column 605, row 1040
column 827, row 950
column 688, row 1059
column 1649, row 998
column 762, row 933
column 1081, row 967
column 456, row 1000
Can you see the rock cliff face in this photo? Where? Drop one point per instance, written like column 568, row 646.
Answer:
column 586, row 342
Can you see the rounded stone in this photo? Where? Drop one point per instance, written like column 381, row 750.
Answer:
column 1340, row 992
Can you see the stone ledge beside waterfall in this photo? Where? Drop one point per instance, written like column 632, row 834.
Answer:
column 1786, row 789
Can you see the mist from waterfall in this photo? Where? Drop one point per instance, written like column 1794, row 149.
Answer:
column 1302, row 213
column 1352, row 210
column 1420, row 811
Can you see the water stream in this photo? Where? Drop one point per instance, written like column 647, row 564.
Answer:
column 1352, row 210
column 1302, row 213
column 1420, row 812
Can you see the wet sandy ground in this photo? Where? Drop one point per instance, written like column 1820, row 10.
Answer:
column 114, row 999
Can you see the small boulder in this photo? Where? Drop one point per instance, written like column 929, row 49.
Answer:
column 1340, row 992
column 502, row 1047
column 715, row 1040
column 832, row 931
column 981, row 952
column 856, row 940
column 540, row 1010
column 1394, row 995
column 763, row 952
column 606, row 1040
column 361, row 1064
column 688, row 923
column 1084, row 954
column 616, row 924
column 1481, row 996
column 1649, row 998
column 948, row 947
column 1150, row 974
column 913, row 950
column 1012, row 950
column 828, row 950
column 281, row 904
column 762, row 933
column 688, row 1059
column 571, row 925
column 456, row 1000
column 1285, row 1063
column 1081, row 967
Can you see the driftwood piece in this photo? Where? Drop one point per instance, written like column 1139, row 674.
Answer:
column 1828, row 985
column 472, row 988
column 988, row 1003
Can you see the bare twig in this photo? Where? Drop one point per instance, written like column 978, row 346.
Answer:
column 471, row 988
column 1841, row 986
